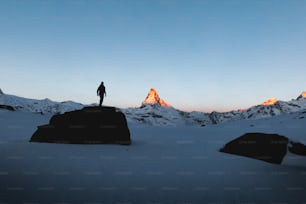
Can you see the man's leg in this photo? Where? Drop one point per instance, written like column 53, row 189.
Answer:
column 101, row 100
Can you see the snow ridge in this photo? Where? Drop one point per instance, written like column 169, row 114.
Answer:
column 38, row 106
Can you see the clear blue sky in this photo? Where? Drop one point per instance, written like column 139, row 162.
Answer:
column 199, row 55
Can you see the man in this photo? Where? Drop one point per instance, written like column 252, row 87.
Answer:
column 101, row 92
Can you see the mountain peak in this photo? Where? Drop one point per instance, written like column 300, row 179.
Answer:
column 270, row 101
column 303, row 95
column 153, row 98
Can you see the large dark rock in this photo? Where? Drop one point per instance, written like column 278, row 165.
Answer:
column 266, row 147
column 91, row 125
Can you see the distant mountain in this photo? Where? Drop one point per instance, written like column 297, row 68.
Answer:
column 37, row 106
column 155, row 111
column 157, row 114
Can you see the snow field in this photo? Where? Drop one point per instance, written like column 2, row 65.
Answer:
column 163, row 165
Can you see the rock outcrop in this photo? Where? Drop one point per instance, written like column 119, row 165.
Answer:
column 90, row 125
column 266, row 147
column 7, row 107
column 297, row 148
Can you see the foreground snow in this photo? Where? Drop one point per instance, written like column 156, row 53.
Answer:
column 163, row 165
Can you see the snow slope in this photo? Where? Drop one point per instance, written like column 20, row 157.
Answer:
column 163, row 165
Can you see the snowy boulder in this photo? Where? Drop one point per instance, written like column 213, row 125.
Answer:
column 266, row 147
column 91, row 125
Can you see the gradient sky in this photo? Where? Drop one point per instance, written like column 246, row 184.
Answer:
column 199, row 55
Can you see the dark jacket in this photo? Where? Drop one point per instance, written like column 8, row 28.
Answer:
column 101, row 90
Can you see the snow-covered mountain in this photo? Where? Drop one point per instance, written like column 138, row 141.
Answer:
column 155, row 111
column 37, row 106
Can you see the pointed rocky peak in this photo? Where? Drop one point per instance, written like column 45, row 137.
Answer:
column 154, row 99
column 270, row 101
column 303, row 95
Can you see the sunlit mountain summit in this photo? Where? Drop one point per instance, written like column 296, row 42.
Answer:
column 154, row 99
column 269, row 102
column 302, row 96
column 274, row 101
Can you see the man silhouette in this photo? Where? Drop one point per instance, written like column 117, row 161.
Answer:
column 101, row 92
